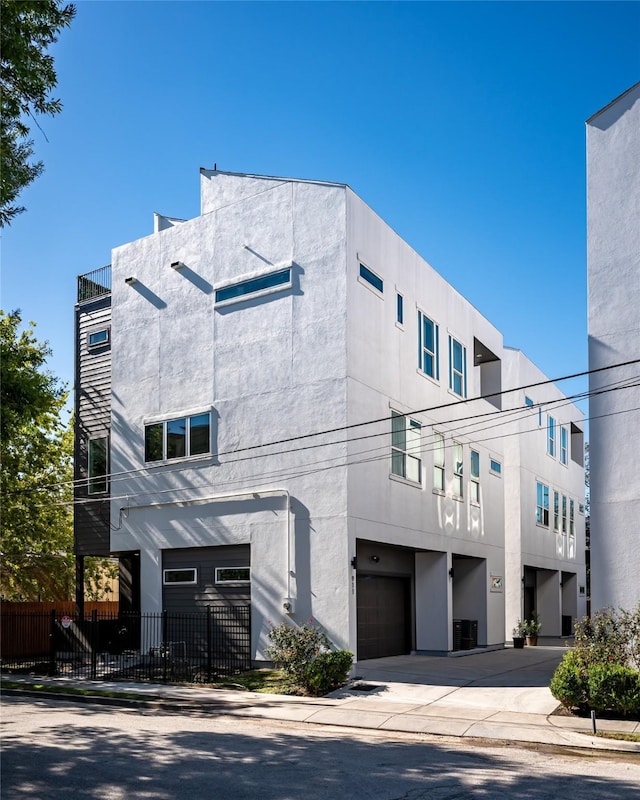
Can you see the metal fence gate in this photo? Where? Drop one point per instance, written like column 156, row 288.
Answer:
column 164, row 648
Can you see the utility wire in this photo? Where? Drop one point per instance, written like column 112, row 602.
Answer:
column 149, row 468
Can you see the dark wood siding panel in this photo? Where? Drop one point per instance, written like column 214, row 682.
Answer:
column 92, row 419
column 185, row 598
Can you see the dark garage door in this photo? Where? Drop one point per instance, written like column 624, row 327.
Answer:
column 383, row 616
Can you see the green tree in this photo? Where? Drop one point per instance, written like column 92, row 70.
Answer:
column 36, row 448
column 27, row 77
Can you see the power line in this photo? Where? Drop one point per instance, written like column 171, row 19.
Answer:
column 455, row 403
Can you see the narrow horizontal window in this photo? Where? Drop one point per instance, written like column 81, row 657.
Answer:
column 255, row 286
column 495, row 466
column 233, row 575
column 184, row 577
column 371, row 278
column 98, row 338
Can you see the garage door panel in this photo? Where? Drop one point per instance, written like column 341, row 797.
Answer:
column 383, row 616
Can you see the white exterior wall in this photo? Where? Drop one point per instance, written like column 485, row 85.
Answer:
column 257, row 366
column 527, row 462
column 383, row 376
column 326, row 354
column 613, row 252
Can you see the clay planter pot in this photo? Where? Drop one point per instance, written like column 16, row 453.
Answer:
column 532, row 641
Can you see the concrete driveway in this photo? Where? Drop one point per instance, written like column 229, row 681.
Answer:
column 505, row 680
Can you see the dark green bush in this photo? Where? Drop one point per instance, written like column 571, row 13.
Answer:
column 613, row 687
column 328, row 671
column 602, row 672
column 569, row 683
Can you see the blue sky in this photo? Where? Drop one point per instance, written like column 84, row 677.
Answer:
column 460, row 123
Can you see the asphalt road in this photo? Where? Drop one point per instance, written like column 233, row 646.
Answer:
column 58, row 750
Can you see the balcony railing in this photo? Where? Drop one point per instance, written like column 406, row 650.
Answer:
column 94, row 284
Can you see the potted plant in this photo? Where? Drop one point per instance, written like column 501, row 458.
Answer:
column 532, row 629
column 518, row 635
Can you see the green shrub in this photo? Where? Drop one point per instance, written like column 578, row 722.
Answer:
column 292, row 648
column 569, row 683
column 610, row 635
column 614, row 687
column 328, row 671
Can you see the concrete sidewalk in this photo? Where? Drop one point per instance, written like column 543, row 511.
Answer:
column 501, row 695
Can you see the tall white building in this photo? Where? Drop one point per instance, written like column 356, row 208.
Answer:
column 613, row 221
column 299, row 411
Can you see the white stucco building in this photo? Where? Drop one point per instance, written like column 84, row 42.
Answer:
column 300, row 411
column 613, row 223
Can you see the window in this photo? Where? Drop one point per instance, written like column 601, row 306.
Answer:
column 428, row 358
column 180, row 577
column 475, row 476
column 371, row 278
column 405, row 447
column 438, row 462
column 457, row 367
column 233, row 575
column 495, row 466
column 551, row 435
column 528, row 401
column 564, row 445
column 580, row 508
column 572, row 518
column 254, row 287
column 97, row 465
column 399, row 309
column 564, row 514
column 542, row 504
column 556, row 511
column 457, row 469
column 178, row 438
column 99, row 338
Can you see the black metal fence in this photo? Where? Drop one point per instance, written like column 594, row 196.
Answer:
column 163, row 648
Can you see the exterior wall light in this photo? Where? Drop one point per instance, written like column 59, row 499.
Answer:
column 130, row 281
column 177, row 265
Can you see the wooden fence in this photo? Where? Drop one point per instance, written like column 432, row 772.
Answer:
column 20, row 639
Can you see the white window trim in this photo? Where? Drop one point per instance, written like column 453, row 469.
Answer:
column 407, row 452
column 180, row 583
column 365, row 282
column 93, row 332
column 273, row 269
column 219, row 582
column 404, row 310
column 165, row 418
column 494, row 460
column 436, row 354
column 464, row 375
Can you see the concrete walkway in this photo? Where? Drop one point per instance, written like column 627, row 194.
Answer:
column 500, row 695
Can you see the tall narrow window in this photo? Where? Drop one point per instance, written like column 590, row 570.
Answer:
column 405, row 447
column 572, row 518
column 399, row 309
column 551, row 435
column 475, row 476
column 542, row 504
column 438, row 462
column 457, row 367
column 556, row 511
column 428, row 341
column 564, row 445
column 564, row 515
column 97, row 465
column 457, row 469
